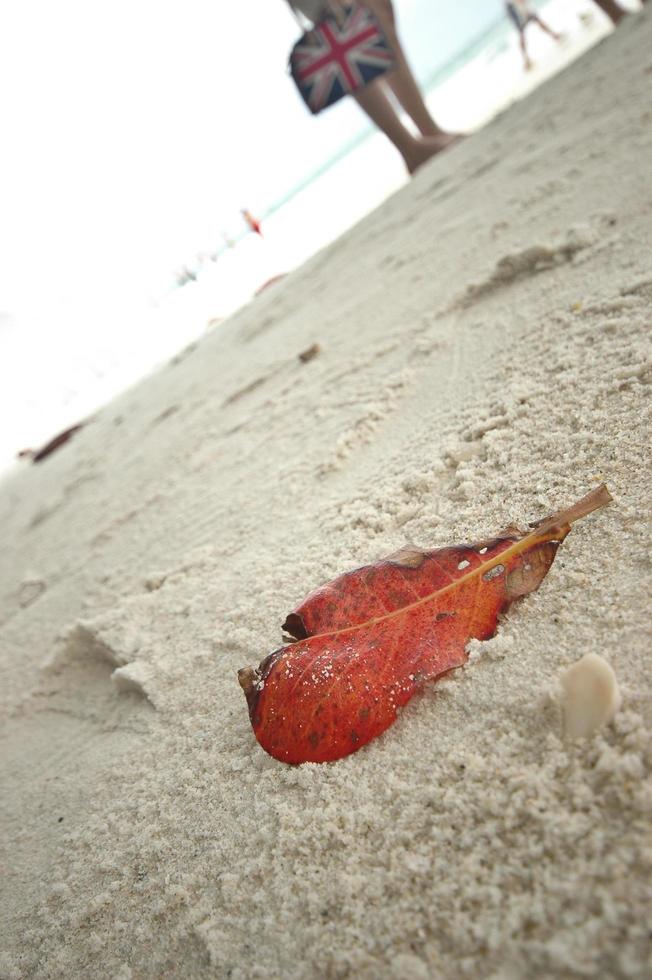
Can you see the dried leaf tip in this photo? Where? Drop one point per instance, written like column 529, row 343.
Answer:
column 247, row 678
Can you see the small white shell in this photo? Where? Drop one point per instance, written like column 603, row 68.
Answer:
column 590, row 695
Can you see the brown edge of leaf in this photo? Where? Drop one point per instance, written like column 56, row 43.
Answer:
column 294, row 625
column 247, row 680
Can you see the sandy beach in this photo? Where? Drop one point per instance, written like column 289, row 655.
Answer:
column 484, row 357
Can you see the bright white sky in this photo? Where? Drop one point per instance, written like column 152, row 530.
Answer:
column 134, row 131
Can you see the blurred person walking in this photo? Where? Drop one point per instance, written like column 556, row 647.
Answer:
column 521, row 14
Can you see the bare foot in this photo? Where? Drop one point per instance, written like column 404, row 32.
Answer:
column 425, row 147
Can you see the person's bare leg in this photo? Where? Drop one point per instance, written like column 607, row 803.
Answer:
column 415, row 150
column 611, row 9
column 548, row 30
column 401, row 80
column 527, row 64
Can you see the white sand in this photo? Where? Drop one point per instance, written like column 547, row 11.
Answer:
column 485, row 358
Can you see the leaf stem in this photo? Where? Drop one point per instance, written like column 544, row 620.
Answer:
column 591, row 501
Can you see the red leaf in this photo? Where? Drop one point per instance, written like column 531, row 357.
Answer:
column 371, row 638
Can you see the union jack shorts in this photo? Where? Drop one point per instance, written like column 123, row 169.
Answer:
column 340, row 56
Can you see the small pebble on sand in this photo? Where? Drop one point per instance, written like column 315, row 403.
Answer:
column 590, row 695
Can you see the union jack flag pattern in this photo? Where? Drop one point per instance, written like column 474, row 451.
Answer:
column 337, row 58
